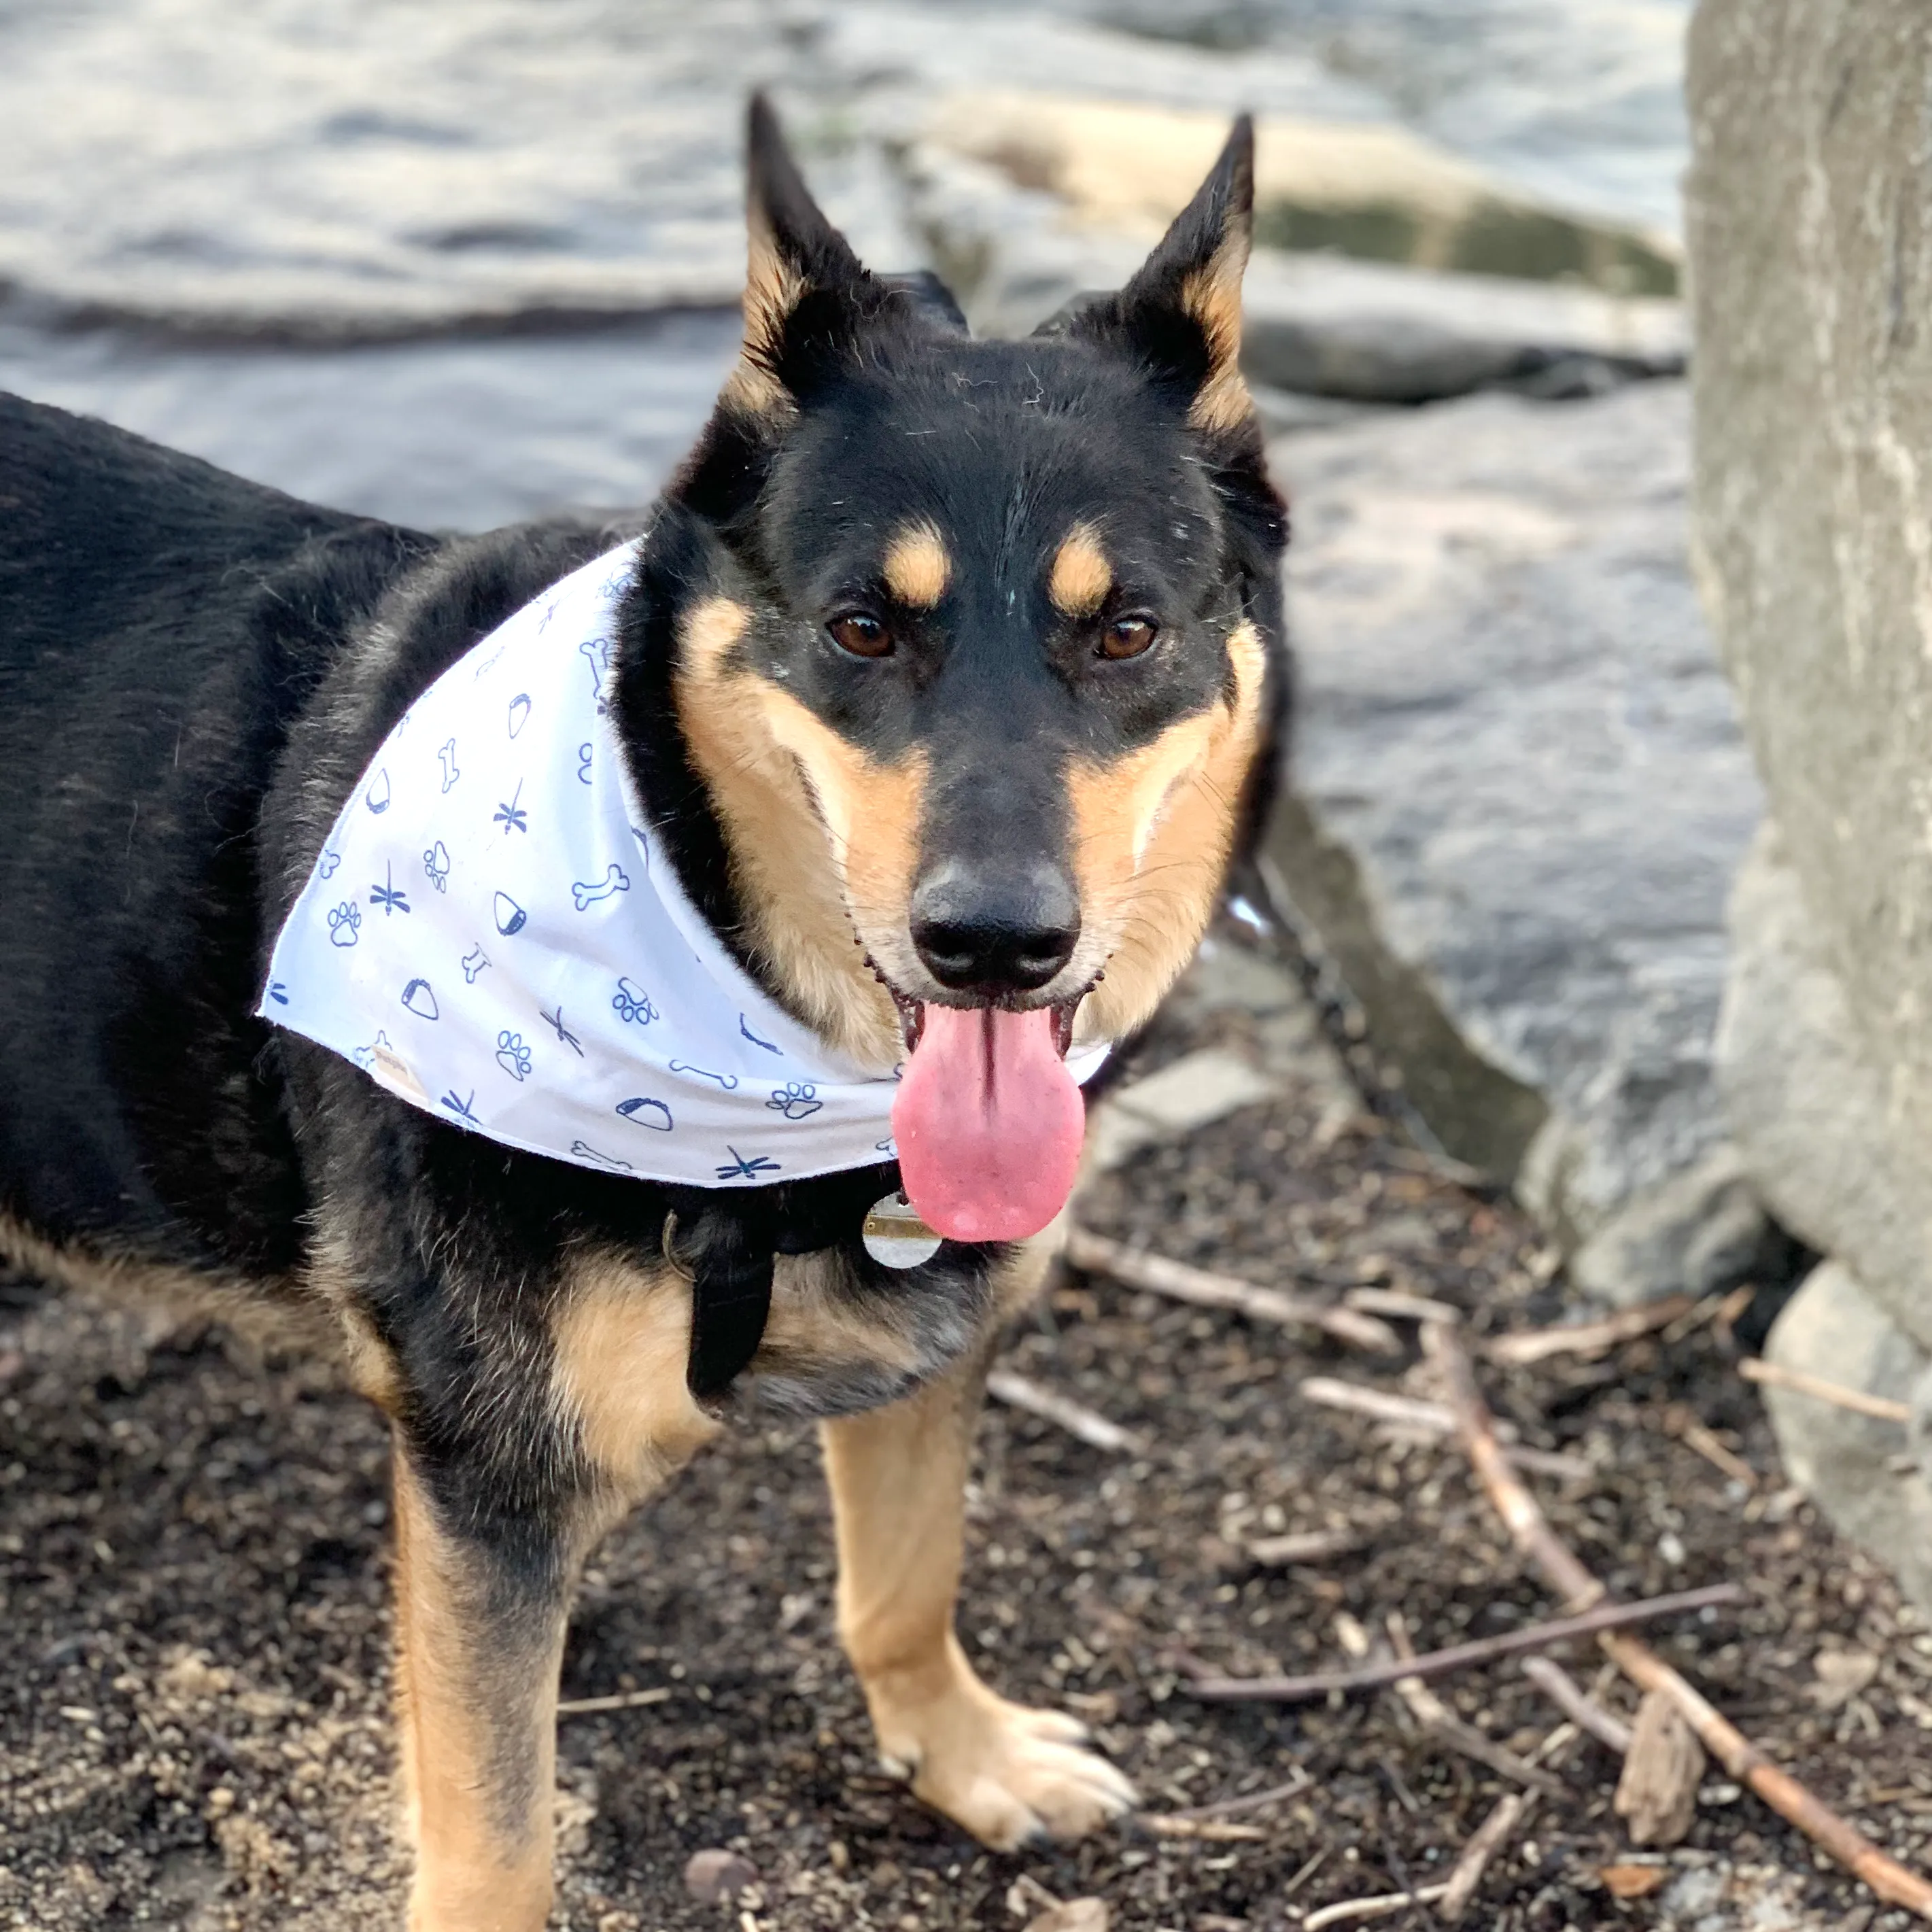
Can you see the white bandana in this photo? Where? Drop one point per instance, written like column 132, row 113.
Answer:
column 489, row 935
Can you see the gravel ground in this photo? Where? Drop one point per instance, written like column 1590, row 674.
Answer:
column 193, row 1546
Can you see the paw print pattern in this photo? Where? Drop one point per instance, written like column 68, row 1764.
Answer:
column 345, row 923
column 435, row 864
column 632, row 1004
column 797, row 1100
column 512, row 1055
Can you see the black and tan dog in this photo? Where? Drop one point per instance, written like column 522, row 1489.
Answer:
column 966, row 651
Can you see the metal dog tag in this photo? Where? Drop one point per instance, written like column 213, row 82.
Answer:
column 895, row 1236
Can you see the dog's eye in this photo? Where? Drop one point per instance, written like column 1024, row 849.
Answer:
column 1128, row 637
column 861, row 635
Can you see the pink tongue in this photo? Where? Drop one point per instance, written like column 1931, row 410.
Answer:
column 989, row 1123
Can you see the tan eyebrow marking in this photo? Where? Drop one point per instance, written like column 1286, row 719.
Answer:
column 916, row 568
column 1081, row 574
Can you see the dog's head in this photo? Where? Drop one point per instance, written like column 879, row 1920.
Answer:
column 972, row 646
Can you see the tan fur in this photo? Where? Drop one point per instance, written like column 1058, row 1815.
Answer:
column 916, row 568
column 476, row 1870
column 898, row 1477
column 621, row 1341
column 1082, row 576
column 820, row 836
column 1212, row 296
column 266, row 1315
column 1152, row 833
column 772, row 288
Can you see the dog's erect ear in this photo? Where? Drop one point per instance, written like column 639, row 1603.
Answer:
column 805, row 290
column 1180, row 315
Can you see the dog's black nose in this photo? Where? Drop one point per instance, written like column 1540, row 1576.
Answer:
column 993, row 931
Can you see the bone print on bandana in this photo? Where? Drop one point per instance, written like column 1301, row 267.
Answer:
column 610, row 1029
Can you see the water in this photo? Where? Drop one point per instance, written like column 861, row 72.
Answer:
column 359, row 250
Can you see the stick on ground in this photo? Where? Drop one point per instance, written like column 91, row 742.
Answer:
column 1017, row 1391
column 1495, row 1831
column 1576, row 1703
column 1462, row 1656
column 1531, row 1531
column 1775, row 1375
column 1134, row 1267
column 1407, row 1411
column 1589, row 1338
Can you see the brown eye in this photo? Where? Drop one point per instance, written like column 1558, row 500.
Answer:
column 860, row 635
column 1128, row 637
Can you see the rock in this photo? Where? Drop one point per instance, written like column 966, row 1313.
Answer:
column 1852, row 1466
column 1519, row 795
column 1077, row 1915
column 1808, row 1109
column 1184, row 1095
column 1315, row 324
column 1370, row 190
column 1810, row 220
column 711, row 1876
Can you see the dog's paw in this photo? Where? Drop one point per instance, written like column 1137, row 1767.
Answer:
column 1005, row 1772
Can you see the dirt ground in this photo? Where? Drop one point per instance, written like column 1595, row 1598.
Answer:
column 193, row 1725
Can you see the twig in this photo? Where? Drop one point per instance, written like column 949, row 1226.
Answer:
column 1773, row 1375
column 1495, row 1831
column 1136, row 1268
column 1576, row 1703
column 1220, row 1831
column 1406, row 1411
column 1017, row 1391
column 1304, row 1546
column 621, row 1700
column 1348, row 1911
column 1589, row 1338
column 1251, row 1800
column 1681, row 1422
column 1531, row 1531
column 1462, row 1656
column 1442, row 1723
column 1403, row 1306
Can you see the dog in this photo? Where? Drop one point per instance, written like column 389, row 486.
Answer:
column 942, row 687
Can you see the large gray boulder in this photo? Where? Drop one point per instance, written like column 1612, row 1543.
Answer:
column 1810, row 213
column 1519, row 797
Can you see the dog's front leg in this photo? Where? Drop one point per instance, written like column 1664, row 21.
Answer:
column 1005, row 1772
column 480, row 1614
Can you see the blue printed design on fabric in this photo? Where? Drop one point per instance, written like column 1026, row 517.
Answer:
column 742, row 1169
column 450, row 773
column 598, row 650
column 641, row 1112
column 633, row 1004
column 465, row 1110
column 325, row 866
column 420, row 998
column 376, row 798
column 797, row 1100
column 510, row 916
column 756, row 1041
column 435, row 864
column 388, row 896
column 584, row 757
column 278, row 992
column 563, row 1032
column 512, row 1055
column 615, row 880
column 345, row 923
column 474, row 961
column 365, row 1057
column 584, row 1151
column 520, row 713
column 728, row 1081
column 512, row 816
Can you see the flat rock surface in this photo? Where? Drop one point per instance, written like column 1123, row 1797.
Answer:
column 194, row 1728
column 1521, row 791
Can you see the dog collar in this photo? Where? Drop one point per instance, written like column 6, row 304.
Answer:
column 490, row 933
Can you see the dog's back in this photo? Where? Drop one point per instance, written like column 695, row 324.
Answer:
column 160, row 621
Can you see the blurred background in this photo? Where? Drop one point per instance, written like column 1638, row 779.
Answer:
column 453, row 264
